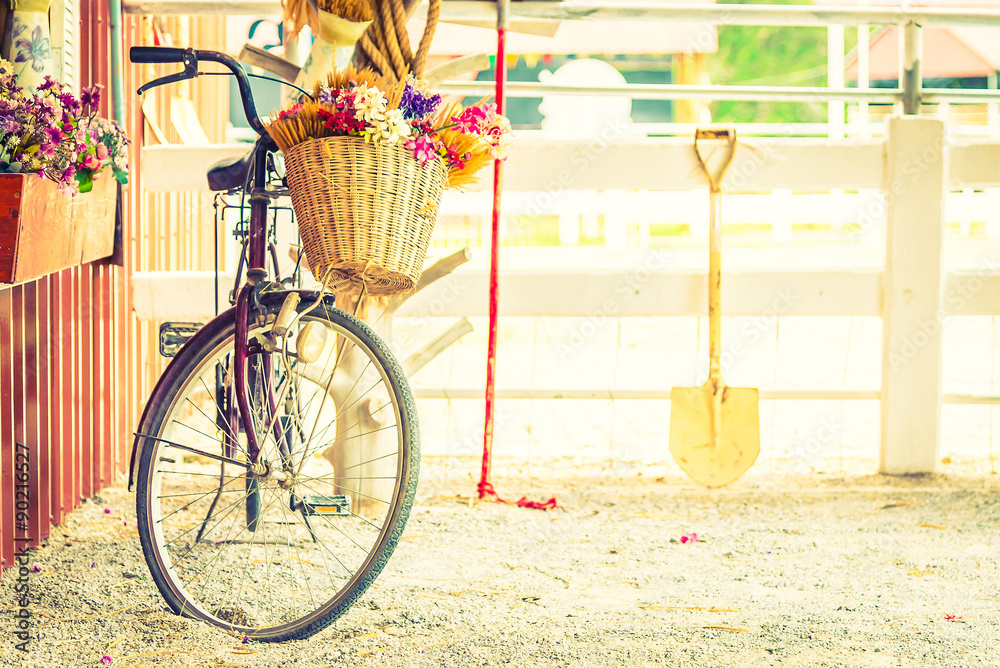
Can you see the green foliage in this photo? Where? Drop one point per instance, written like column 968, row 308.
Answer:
column 771, row 56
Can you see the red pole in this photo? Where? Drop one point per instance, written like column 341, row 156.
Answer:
column 500, row 75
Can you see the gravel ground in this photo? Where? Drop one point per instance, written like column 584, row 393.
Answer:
column 791, row 571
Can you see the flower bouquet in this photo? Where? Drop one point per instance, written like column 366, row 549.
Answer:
column 53, row 146
column 57, row 135
column 367, row 162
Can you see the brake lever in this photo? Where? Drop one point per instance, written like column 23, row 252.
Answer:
column 190, row 61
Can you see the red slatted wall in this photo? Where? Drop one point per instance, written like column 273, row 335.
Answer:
column 71, row 382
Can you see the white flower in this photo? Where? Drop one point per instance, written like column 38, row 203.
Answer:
column 392, row 129
column 370, row 105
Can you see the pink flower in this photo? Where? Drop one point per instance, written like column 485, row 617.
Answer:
column 425, row 148
column 475, row 120
column 689, row 538
column 91, row 97
column 106, row 660
column 102, row 152
column 291, row 111
column 38, row 569
column 91, row 162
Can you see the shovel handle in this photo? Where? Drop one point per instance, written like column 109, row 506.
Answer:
column 715, row 242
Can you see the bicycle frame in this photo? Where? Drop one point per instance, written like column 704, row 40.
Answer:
column 256, row 274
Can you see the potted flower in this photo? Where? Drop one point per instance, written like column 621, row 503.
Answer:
column 367, row 162
column 60, row 164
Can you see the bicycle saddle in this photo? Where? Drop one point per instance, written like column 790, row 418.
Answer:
column 230, row 173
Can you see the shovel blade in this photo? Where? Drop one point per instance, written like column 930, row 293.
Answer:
column 714, row 464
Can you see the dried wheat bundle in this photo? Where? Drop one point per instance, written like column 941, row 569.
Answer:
column 288, row 130
column 298, row 13
column 351, row 76
column 352, row 10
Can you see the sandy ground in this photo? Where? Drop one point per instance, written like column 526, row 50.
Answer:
column 790, row 571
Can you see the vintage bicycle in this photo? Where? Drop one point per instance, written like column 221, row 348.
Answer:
column 276, row 461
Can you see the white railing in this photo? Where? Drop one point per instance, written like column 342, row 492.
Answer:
column 914, row 166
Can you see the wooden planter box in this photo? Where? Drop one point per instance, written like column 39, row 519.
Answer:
column 43, row 230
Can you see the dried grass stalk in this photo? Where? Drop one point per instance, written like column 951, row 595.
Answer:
column 352, row 10
column 299, row 13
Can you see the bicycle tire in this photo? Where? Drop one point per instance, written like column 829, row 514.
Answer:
column 166, row 563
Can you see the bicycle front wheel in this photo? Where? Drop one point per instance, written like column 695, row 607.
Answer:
column 277, row 545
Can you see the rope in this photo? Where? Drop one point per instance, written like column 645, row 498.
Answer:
column 399, row 20
column 485, row 489
column 392, row 37
column 375, row 56
column 385, row 46
column 433, row 13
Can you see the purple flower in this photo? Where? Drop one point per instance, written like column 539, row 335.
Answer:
column 415, row 105
column 93, row 564
column 8, row 125
column 48, row 83
column 90, row 97
column 246, row 640
column 70, row 103
column 107, row 511
column 38, row 569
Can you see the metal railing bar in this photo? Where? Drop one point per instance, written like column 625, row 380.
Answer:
column 739, row 93
column 664, row 394
column 684, row 92
column 959, row 95
column 634, row 394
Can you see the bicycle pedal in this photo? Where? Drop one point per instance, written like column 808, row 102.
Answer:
column 318, row 504
column 173, row 336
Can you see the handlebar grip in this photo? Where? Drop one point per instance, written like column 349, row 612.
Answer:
column 156, row 54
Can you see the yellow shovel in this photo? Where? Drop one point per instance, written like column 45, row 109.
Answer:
column 714, row 429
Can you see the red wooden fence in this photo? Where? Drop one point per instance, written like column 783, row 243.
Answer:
column 68, row 387
column 75, row 364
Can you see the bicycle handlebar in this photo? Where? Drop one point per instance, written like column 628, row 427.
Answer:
column 156, row 54
column 190, row 57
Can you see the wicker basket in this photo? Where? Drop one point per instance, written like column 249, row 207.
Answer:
column 364, row 210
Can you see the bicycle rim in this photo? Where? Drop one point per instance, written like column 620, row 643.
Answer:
column 269, row 558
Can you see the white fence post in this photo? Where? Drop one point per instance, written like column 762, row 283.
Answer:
column 916, row 182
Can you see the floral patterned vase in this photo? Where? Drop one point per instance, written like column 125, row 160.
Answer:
column 26, row 41
column 334, row 46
